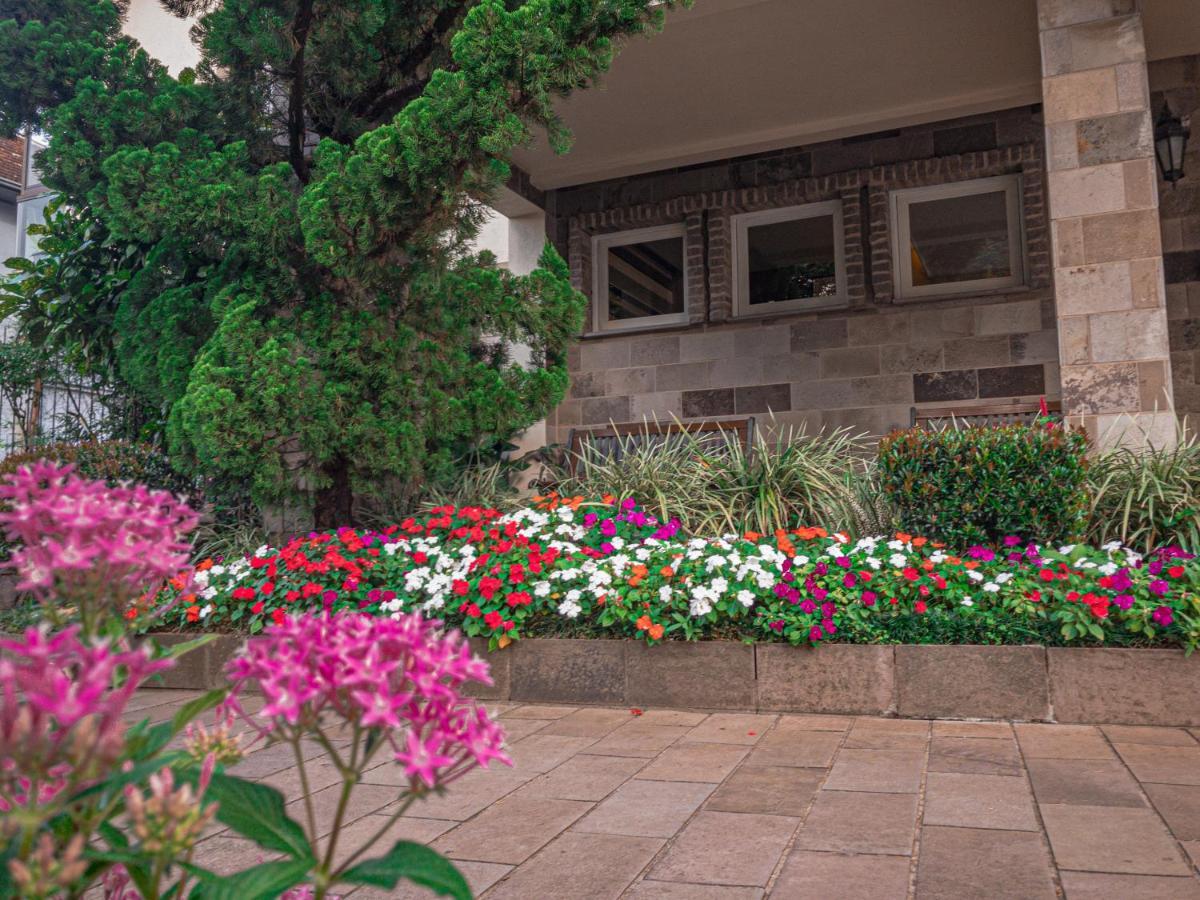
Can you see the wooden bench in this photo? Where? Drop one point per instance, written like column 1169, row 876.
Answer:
column 611, row 442
column 997, row 412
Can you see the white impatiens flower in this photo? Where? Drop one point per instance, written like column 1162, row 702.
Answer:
column 1111, row 546
column 975, row 575
column 899, row 560
column 206, row 611
column 967, row 601
column 800, row 560
column 719, row 586
column 1066, row 549
column 874, row 563
column 714, row 562
column 664, row 594
column 896, row 545
column 541, row 589
column 746, row 598
column 991, row 587
column 1108, row 568
column 1004, row 578
column 938, row 556
column 569, row 608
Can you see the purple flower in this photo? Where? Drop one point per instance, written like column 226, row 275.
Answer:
column 1121, row 580
column 868, row 598
column 814, row 633
column 1012, row 541
column 850, row 580
column 808, row 606
column 1163, row 616
column 1123, row 601
column 1159, row 588
column 590, row 519
column 978, row 552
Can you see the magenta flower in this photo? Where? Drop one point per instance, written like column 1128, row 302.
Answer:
column 61, row 711
column 1123, row 601
column 75, row 533
column 1163, row 616
column 404, row 676
column 1159, row 588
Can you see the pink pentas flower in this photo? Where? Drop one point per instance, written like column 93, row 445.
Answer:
column 73, row 532
column 403, row 675
column 61, row 710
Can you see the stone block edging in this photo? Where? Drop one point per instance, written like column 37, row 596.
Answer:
column 1101, row 685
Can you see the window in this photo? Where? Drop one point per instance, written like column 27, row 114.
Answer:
column 789, row 259
column 957, row 238
column 640, row 278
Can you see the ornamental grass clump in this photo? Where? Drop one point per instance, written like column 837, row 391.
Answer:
column 714, row 487
column 1147, row 497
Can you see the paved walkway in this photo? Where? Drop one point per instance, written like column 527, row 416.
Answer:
column 603, row 803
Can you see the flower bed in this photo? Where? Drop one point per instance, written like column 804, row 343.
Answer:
column 579, row 568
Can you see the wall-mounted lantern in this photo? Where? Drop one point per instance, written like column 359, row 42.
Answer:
column 1170, row 141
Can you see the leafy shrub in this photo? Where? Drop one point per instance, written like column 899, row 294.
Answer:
column 790, row 480
column 109, row 461
column 979, row 485
column 1147, row 498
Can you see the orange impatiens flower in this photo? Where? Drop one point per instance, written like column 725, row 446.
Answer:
column 751, row 535
column 640, row 571
column 920, row 541
column 655, row 631
column 204, row 565
column 807, row 533
column 643, row 623
column 902, row 536
column 666, row 572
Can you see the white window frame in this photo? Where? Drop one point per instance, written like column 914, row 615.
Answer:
column 600, row 247
column 901, row 243
column 743, row 222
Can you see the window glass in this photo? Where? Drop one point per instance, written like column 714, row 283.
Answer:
column 956, row 239
column 645, row 279
column 791, row 260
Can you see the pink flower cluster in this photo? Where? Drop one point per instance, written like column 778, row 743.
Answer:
column 61, row 711
column 403, row 676
column 72, row 530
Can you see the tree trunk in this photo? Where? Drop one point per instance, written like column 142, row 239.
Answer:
column 334, row 505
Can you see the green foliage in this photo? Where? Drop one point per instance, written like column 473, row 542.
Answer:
column 979, row 485
column 1147, row 498
column 305, row 319
column 792, row 479
column 110, row 461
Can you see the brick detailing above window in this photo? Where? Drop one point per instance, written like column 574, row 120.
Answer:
column 1023, row 158
column 710, row 285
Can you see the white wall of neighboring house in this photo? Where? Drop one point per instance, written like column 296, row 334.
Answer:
column 8, row 233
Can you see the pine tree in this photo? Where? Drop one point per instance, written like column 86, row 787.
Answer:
column 296, row 291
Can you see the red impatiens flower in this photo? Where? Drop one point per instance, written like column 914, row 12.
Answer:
column 243, row 593
column 257, row 607
column 493, row 619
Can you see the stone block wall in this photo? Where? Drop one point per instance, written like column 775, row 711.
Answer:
column 863, row 366
column 1177, row 82
column 1107, row 245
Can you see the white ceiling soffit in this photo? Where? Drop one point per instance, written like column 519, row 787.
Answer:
column 742, row 76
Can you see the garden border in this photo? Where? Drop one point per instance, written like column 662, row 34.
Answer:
column 1101, row 685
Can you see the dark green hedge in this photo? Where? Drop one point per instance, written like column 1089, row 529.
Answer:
column 978, row 485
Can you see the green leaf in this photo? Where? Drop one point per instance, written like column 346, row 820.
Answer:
column 186, row 647
column 193, row 708
column 418, row 864
column 262, row 882
column 257, row 812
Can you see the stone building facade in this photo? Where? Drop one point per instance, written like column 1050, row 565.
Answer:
column 863, row 366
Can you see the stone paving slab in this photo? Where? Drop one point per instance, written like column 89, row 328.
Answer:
column 664, row 804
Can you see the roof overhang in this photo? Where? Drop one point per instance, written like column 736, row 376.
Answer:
column 731, row 77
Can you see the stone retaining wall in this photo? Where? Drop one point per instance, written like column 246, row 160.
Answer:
column 1028, row 683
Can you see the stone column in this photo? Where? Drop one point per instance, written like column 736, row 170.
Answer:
column 1107, row 250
